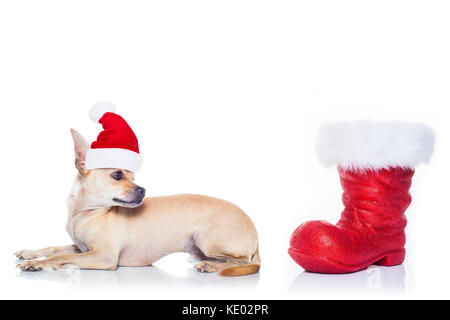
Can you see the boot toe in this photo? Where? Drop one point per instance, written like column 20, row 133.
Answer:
column 320, row 246
column 313, row 237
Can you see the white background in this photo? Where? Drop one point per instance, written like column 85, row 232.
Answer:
column 225, row 98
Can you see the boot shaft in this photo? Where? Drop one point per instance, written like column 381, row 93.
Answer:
column 375, row 201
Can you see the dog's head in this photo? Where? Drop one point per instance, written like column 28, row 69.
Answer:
column 104, row 187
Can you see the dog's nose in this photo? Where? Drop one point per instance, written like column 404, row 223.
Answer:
column 139, row 190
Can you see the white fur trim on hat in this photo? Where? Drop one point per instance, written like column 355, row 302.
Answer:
column 99, row 109
column 113, row 158
column 373, row 145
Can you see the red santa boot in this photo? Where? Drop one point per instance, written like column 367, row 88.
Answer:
column 376, row 163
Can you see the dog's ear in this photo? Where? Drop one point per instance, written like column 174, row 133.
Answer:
column 81, row 146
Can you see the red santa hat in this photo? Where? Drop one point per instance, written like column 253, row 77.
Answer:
column 116, row 146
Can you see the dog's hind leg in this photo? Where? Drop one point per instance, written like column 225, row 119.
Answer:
column 228, row 254
column 46, row 252
column 231, row 266
column 245, row 268
column 212, row 266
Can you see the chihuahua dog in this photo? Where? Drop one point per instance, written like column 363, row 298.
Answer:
column 112, row 224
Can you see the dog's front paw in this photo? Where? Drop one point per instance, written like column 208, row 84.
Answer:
column 26, row 254
column 31, row 265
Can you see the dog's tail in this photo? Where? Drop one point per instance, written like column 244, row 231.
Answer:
column 244, row 269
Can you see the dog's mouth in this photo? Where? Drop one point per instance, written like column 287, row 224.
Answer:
column 133, row 199
column 129, row 203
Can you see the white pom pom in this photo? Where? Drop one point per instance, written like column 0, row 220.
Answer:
column 99, row 109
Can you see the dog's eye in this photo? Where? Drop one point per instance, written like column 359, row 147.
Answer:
column 118, row 175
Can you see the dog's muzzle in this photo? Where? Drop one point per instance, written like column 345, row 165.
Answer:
column 134, row 199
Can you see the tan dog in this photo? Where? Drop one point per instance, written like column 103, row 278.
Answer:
column 112, row 225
